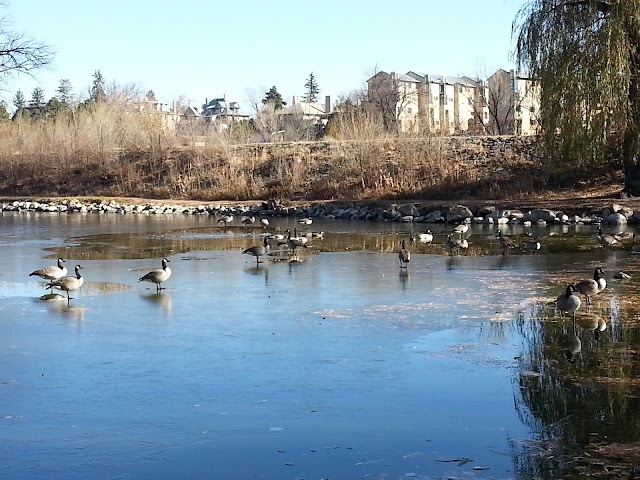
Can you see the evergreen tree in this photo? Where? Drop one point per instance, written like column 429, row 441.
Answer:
column 37, row 103
column 54, row 107
column 64, row 91
column 312, row 89
column 98, row 93
column 18, row 100
column 274, row 98
column 150, row 96
column 4, row 112
column 37, row 99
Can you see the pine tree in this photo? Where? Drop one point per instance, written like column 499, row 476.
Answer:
column 312, row 89
column 37, row 99
column 274, row 98
column 18, row 100
column 97, row 88
column 64, row 91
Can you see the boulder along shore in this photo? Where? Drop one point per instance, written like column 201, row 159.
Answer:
column 409, row 212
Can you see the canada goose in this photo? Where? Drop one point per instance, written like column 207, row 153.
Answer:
column 305, row 221
column 293, row 243
column 51, row 273
column 158, row 275
column 456, row 244
column 68, row 284
column 248, row 220
column 533, row 244
column 226, row 219
column 426, row 237
column 301, row 239
column 592, row 286
column 461, row 228
column 568, row 302
column 277, row 236
column 606, row 240
column 621, row 276
column 505, row 243
column 258, row 250
column 264, row 222
column 404, row 255
column 317, row 235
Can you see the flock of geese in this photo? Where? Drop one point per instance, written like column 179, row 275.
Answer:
column 56, row 275
column 568, row 302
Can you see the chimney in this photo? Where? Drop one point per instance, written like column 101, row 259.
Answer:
column 294, row 100
column 327, row 104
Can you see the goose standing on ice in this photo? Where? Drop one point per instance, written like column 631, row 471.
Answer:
column 568, row 302
column 51, row 273
column 404, row 255
column 593, row 286
column 158, row 275
column 258, row 250
column 68, row 284
column 505, row 243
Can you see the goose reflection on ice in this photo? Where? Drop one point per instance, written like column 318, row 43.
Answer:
column 592, row 321
column 404, row 279
column 258, row 271
column 57, row 304
column 160, row 298
column 569, row 343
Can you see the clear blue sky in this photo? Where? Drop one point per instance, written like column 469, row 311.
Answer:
column 204, row 49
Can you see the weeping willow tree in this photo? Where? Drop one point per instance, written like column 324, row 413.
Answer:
column 585, row 55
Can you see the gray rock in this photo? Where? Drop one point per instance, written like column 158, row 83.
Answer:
column 616, row 219
column 458, row 213
column 408, row 209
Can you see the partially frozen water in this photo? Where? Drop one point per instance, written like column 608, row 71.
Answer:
column 335, row 366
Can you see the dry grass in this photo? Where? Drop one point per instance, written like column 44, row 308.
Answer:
column 109, row 151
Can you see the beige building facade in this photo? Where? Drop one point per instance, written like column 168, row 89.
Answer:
column 424, row 103
column 420, row 103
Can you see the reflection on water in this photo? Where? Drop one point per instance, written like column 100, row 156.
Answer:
column 292, row 346
column 160, row 299
column 68, row 312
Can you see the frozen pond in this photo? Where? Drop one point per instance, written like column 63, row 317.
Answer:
column 336, row 366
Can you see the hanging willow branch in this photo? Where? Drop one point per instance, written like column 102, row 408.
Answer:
column 584, row 55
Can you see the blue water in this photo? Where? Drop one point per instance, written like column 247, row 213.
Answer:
column 337, row 367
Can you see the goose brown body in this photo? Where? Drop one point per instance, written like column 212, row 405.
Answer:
column 404, row 255
column 592, row 286
column 259, row 250
column 52, row 272
column 68, row 284
column 568, row 302
column 158, row 275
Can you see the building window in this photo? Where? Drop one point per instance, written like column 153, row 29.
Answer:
column 486, row 115
column 409, row 110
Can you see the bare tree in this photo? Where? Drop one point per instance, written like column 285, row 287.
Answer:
column 501, row 103
column 20, row 53
column 391, row 96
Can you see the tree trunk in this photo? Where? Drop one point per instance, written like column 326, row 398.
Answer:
column 631, row 140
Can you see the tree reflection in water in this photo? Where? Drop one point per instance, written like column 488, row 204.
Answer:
column 579, row 395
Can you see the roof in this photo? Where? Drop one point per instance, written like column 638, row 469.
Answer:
column 303, row 108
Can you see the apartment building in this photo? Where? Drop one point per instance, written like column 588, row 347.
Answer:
column 505, row 104
column 423, row 103
column 514, row 104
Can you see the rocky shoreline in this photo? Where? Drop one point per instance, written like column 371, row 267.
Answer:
column 419, row 212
